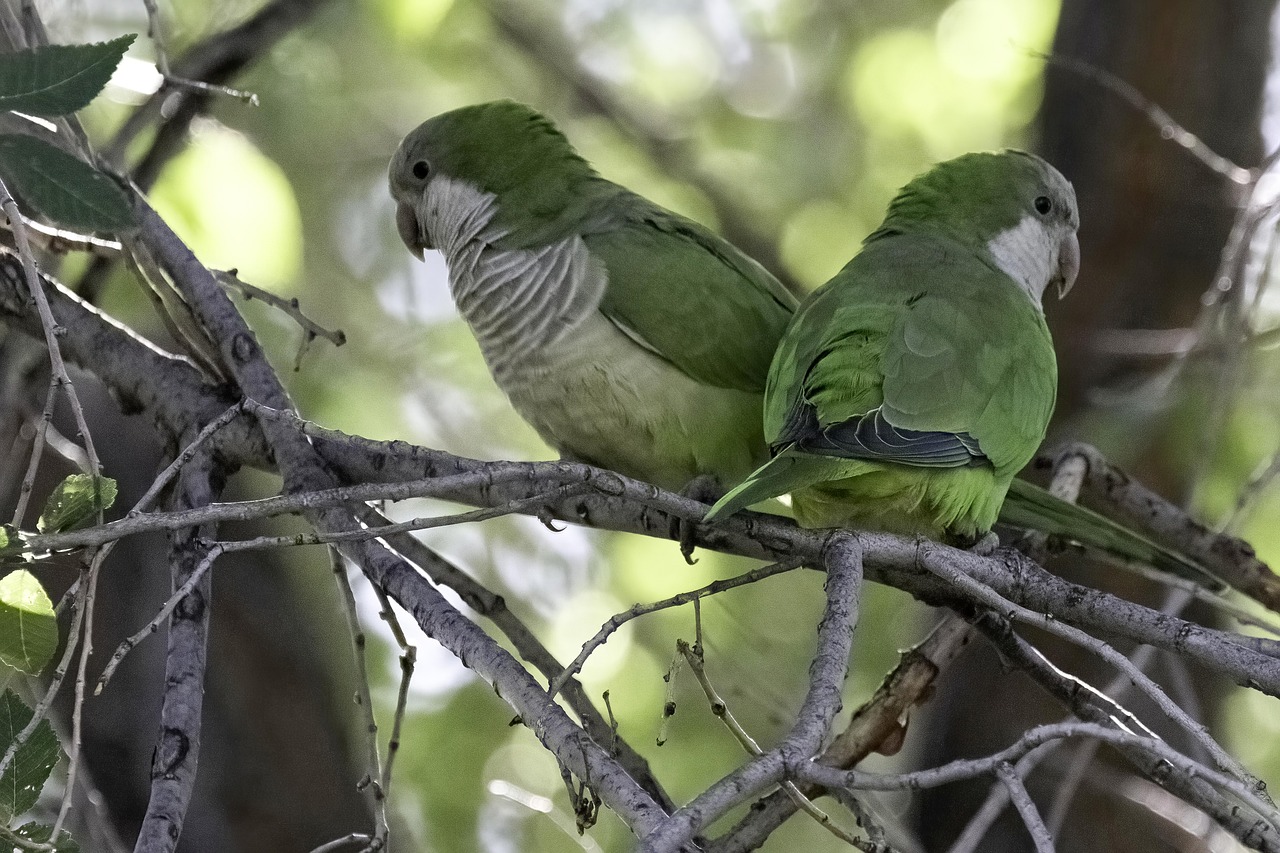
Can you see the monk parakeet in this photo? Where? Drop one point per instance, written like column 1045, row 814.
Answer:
column 628, row 336
column 909, row 389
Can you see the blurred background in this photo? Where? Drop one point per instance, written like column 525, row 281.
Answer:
column 787, row 125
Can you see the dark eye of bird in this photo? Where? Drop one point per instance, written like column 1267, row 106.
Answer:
column 1042, row 203
column 422, row 168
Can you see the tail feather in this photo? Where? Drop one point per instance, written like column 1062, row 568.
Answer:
column 782, row 474
column 1029, row 506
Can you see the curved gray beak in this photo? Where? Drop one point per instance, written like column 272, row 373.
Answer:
column 410, row 231
column 1068, row 263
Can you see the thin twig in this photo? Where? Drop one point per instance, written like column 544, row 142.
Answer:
column 173, row 311
column 373, row 769
column 310, row 329
column 1169, row 129
column 1197, row 731
column 998, row 797
column 408, row 658
column 131, row 642
column 720, row 709
column 259, row 543
column 51, row 329
column 261, row 508
column 345, row 841
column 1175, row 603
column 493, row 607
column 962, row 769
column 613, row 623
column 1026, row 808
column 37, row 450
column 842, row 555
column 165, row 477
column 89, row 583
column 879, row 724
column 156, row 33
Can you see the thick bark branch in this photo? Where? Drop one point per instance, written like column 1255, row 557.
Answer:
column 177, row 752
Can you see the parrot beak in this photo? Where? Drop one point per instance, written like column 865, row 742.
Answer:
column 1068, row 263
column 410, row 231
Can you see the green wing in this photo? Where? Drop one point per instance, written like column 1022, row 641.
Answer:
column 926, row 356
column 691, row 297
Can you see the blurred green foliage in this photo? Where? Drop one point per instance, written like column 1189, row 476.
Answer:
column 786, row 123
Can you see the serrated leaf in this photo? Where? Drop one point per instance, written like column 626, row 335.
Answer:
column 57, row 79
column 28, row 626
column 42, row 831
column 32, row 763
column 64, row 188
column 75, row 501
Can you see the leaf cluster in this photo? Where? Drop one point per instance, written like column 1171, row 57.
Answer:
column 51, row 82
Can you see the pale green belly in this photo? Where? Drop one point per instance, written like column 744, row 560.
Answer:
column 603, row 399
column 950, row 502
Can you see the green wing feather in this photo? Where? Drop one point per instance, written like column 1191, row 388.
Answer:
column 918, row 327
column 1031, row 507
column 690, row 296
column 927, row 331
column 971, row 354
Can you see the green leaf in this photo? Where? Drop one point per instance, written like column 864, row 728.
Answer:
column 41, row 832
column 32, row 763
column 28, row 626
column 64, row 188
column 75, row 501
column 57, row 79
column 10, row 540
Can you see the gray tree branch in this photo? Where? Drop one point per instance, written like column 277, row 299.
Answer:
column 177, row 752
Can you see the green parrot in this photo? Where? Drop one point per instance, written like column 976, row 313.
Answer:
column 628, row 336
column 909, row 389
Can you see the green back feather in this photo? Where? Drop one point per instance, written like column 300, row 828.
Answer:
column 932, row 334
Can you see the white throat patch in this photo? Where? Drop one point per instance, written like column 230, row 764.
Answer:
column 457, row 213
column 1027, row 254
column 518, row 302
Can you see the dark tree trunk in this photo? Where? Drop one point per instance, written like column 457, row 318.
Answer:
column 1154, row 221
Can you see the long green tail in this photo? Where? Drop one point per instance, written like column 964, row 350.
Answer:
column 1029, row 506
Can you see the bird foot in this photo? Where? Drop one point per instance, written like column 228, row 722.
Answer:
column 987, row 545
column 705, row 489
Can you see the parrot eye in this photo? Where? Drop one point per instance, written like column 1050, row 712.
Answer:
column 421, row 169
column 1042, row 203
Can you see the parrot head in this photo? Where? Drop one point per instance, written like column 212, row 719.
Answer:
column 1011, row 204
column 501, row 152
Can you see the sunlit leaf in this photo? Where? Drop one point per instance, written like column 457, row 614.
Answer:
column 64, row 188
column 32, row 763
column 75, row 501
column 28, row 627
column 57, row 79
column 10, row 540
column 41, row 832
